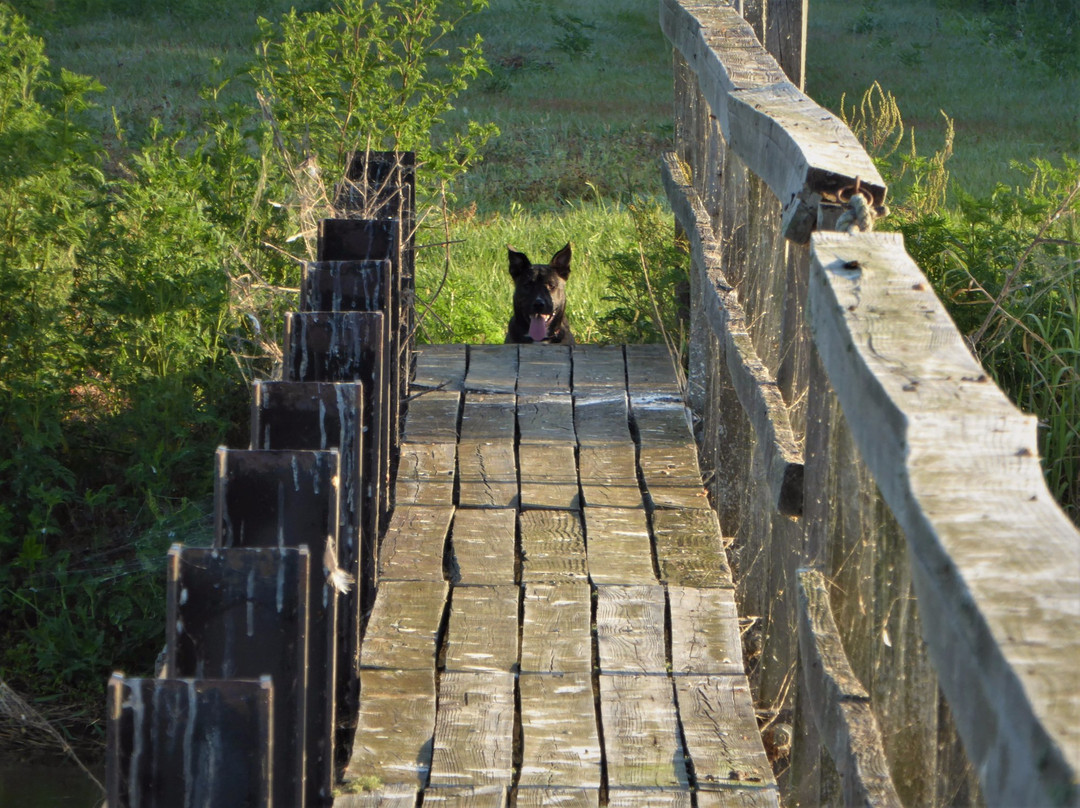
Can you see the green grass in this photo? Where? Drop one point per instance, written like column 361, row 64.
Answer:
column 1005, row 103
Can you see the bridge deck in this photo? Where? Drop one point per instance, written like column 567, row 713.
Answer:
column 554, row 621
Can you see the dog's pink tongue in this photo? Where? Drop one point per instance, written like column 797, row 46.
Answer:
column 538, row 328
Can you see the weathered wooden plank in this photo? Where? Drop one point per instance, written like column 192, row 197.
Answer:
column 345, row 285
column 390, row 796
column 492, row 369
column 672, row 477
column 689, row 548
column 161, row 730
column 619, row 548
column 483, row 631
column 558, row 798
column 663, row 423
column 704, row 631
column 721, row 731
column 598, row 369
column 801, row 150
column 414, row 544
column 740, row 797
column 641, row 733
column 394, row 727
column 545, row 419
column 487, row 475
column 630, row 629
column 474, row 730
column 242, row 613
column 726, row 320
column 403, row 629
column 543, row 369
column 483, row 546
column 648, row 798
column 560, row 741
column 438, row 367
column 556, row 635
column 488, row 417
column 432, row 417
column 958, row 466
column 602, row 418
column 552, row 546
column 609, row 475
column 838, row 702
column 548, row 476
column 467, row 797
column 426, row 474
column 650, row 374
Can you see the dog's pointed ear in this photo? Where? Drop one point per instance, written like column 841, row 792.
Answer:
column 560, row 262
column 519, row 262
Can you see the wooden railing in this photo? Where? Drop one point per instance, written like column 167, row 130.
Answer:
column 262, row 640
column 914, row 589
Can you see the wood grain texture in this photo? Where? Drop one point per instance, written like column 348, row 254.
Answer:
column 721, row 731
column 492, row 369
column 394, row 727
column 630, row 629
column 433, row 417
column 958, row 466
column 487, row 475
column 837, row 701
column 556, row 635
column 414, row 544
column 704, row 631
column 548, row 476
column 726, row 320
column 391, row 796
column 426, row 474
column 598, row 369
column 488, row 417
column 474, row 730
column 689, row 548
column 482, row 634
column 602, row 418
column 619, row 548
column 558, row 798
column 438, row 367
column 552, row 546
column 483, row 546
column 649, row 798
column 471, row 797
column 650, row 374
column 641, row 733
column 404, row 625
column 672, row 477
column 608, row 475
column 663, row 423
column 740, row 797
column 560, row 740
column 543, row 370
column 545, row 419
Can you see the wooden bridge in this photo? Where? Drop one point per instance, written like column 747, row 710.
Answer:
column 555, row 619
column 582, row 583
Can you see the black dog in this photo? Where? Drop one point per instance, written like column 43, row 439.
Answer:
column 540, row 299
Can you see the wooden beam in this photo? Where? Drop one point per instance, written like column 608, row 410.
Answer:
column 756, row 388
column 801, row 150
column 996, row 563
column 838, row 702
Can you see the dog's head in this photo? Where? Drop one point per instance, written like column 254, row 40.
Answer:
column 540, row 293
